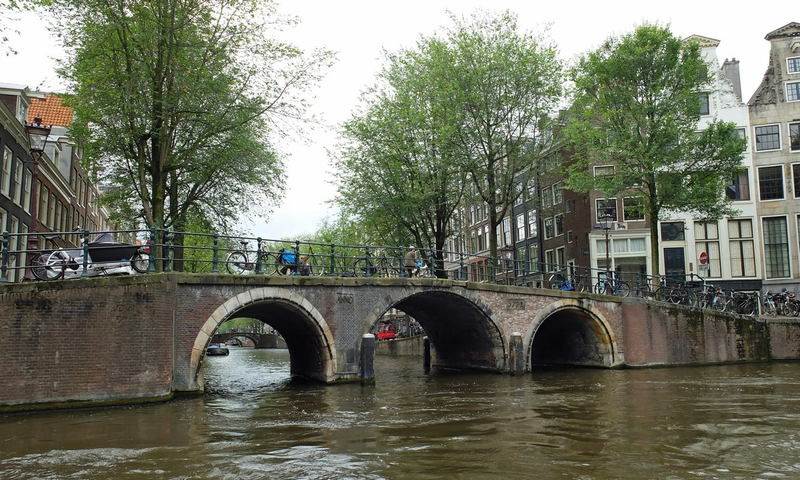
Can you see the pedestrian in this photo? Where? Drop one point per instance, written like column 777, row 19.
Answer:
column 410, row 261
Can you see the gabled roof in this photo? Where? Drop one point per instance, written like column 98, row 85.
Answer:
column 703, row 41
column 788, row 30
column 50, row 110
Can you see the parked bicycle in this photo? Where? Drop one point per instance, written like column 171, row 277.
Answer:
column 380, row 266
column 244, row 261
column 559, row 281
column 611, row 284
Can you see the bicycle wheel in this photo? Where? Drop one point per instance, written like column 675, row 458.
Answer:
column 645, row 291
column 623, row 289
column 677, row 295
column 237, row 263
column 362, row 269
column 555, row 281
column 578, row 283
column 719, row 303
column 746, row 307
column 140, row 262
column 53, row 266
column 42, row 269
column 600, row 287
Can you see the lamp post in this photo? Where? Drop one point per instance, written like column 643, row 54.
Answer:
column 37, row 139
column 607, row 217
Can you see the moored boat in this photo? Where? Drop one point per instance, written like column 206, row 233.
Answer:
column 214, row 349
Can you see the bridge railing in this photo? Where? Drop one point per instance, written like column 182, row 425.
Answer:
column 164, row 250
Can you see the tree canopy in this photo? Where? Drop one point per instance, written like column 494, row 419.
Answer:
column 458, row 113
column 638, row 108
column 177, row 101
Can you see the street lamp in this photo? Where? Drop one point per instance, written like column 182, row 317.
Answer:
column 608, row 218
column 37, row 139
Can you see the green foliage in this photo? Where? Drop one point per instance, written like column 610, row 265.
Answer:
column 176, row 102
column 637, row 107
column 460, row 108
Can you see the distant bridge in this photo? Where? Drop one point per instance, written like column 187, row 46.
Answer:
column 144, row 337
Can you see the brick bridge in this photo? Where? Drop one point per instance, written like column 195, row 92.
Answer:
column 144, row 337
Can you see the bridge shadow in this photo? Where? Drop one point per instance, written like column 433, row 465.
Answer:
column 461, row 329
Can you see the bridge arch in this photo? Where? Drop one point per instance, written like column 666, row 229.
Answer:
column 571, row 332
column 308, row 338
column 459, row 324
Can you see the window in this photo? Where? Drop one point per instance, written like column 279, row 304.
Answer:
column 26, row 200
column 507, row 231
column 547, row 198
column 486, row 236
column 793, row 65
column 533, row 229
column 672, row 231
column 533, row 258
column 522, row 264
column 632, row 209
column 561, row 257
column 794, row 137
column 44, row 199
column 704, row 107
column 793, row 92
column 520, row 226
column 558, row 196
column 8, row 155
column 559, row 221
column 604, row 171
column 768, row 137
column 472, row 214
column 570, row 238
column 776, row 247
column 548, row 228
column 742, row 249
column 18, row 182
column 606, row 206
column 518, row 197
column 739, row 188
column 550, row 261
column 770, row 183
column 707, row 240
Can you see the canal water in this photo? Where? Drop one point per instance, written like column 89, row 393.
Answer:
column 720, row 422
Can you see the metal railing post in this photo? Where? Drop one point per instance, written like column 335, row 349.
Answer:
column 167, row 238
column 493, row 270
column 297, row 257
column 333, row 261
column 4, row 260
column 215, row 255
column 85, row 272
column 151, row 261
column 368, row 265
column 461, row 274
column 432, row 266
column 259, row 266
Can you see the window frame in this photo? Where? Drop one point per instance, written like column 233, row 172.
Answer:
column 792, row 62
column 758, row 136
column 792, row 90
column 770, row 263
column 778, row 181
column 794, row 139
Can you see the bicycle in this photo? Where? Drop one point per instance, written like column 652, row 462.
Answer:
column 382, row 267
column 557, row 281
column 242, row 261
column 610, row 283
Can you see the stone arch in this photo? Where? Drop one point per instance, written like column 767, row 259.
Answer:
column 309, row 330
column 460, row 325
column 578, row 327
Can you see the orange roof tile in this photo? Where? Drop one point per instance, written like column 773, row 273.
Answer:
column 51, row 111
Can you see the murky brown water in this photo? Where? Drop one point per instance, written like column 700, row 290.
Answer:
column 728, row 422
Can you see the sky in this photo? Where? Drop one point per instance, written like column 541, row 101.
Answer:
column 360, row 30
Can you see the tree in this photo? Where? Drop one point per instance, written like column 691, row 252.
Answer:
column 637, row 107
column 469, row 102
column 508, row 85
column 176, row 102
column 397, row 172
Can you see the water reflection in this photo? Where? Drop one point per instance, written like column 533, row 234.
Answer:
column 256, row 422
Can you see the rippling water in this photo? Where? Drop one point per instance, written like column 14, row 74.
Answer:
column 726, row 422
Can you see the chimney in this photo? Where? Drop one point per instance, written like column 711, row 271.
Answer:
column 731, row 71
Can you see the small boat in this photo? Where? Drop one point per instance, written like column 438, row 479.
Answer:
column 214, row 349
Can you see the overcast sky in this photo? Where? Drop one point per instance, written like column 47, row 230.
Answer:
column 358, row 30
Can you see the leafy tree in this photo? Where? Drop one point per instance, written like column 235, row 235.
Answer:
column 397, row 173
column 508, row 85
column 462, row 108
column 176, row 103
column 637, row 107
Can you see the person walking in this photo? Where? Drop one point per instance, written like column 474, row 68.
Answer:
column 410, row 261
